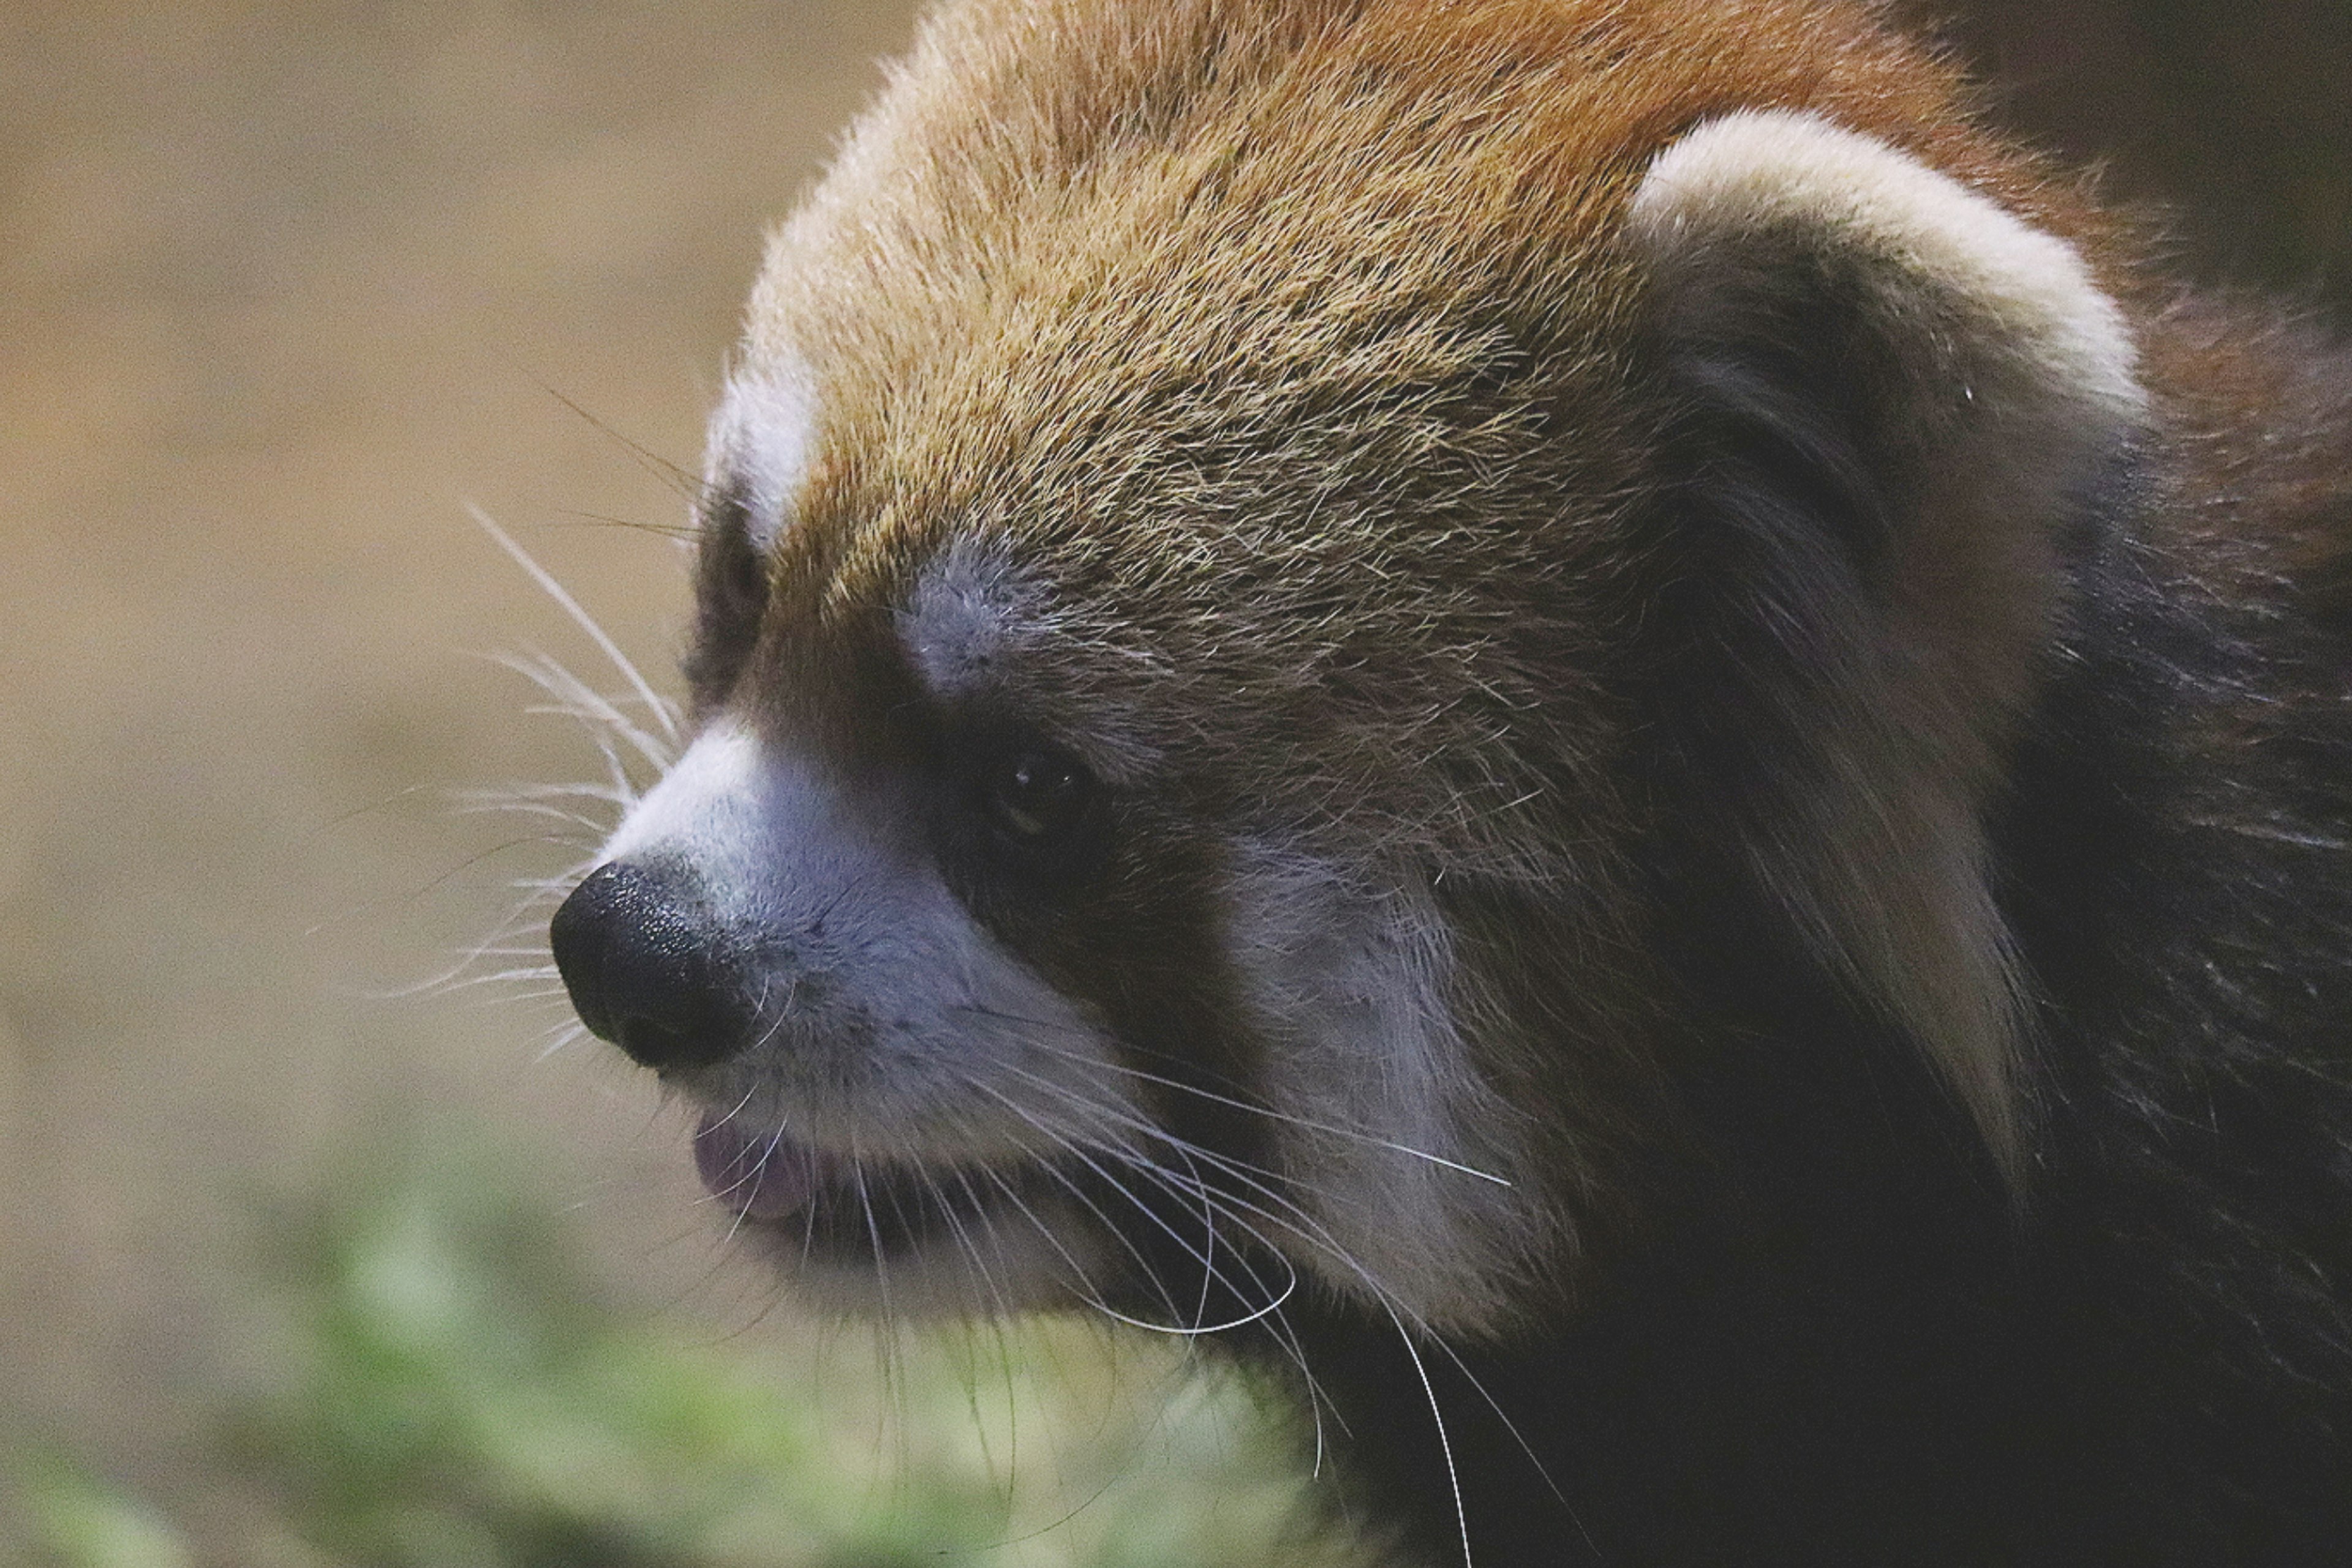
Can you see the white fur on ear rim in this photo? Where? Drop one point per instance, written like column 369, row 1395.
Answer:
column 758, row 439
column 1759, row 169
column 2015, row 378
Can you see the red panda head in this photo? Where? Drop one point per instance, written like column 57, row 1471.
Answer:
column 1253, row 548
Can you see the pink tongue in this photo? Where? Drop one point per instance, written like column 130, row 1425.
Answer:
column 760, row 1176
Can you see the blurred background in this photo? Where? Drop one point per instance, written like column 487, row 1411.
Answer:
column 302, row 1259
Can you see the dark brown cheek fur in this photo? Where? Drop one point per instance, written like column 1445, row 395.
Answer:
column 1137, row 937
column 731, row 596
column 1559, row 1002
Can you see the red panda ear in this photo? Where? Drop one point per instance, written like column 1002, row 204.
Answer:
column 1893, row 401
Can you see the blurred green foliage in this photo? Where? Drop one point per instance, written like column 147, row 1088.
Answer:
column 89, row 1524
column 444, row 1389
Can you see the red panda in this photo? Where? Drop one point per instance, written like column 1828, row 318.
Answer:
column 1577, row 715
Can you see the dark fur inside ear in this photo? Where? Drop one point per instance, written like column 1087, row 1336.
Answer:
column 1773, row 375
column 1888, row 398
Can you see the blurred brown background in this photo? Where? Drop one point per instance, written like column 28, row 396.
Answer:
column 282, row 288
column 2233, row 117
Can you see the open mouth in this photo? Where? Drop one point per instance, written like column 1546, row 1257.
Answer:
column 850, row 1211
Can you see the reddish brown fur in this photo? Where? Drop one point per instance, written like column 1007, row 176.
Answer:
column 1325, row 388
column 1067, row 288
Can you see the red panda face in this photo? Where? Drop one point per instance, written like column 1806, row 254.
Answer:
column 1005, row 919
column 1230, row 549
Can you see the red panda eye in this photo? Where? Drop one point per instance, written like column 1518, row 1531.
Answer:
column 1036, row 794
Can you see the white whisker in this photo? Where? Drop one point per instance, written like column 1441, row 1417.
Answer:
column 1232, row 1102
column 566, row 1035
column 1299, row 1222
column 574, row 698
column 655, row 703
column 1078, row 1151
column 1445, row 1441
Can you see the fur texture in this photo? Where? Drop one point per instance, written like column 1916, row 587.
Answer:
column 1578, row 715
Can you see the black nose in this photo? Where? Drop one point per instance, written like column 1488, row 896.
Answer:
column 648, row 968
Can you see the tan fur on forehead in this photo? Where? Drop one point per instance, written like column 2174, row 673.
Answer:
column 1066, row 216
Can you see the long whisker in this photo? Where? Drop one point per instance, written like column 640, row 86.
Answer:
column 1078, row 1147
column 987, row 1282
column 1077, row 1151
column 655, row 703
column 1142, row 1262
column 564, row 1035
column 1277, row 1325
column 1444, row 1442
column 1091, row 1295
column 1196, row 1186
column 454, row 975
column 492, row 798
column 1286, row 1117
column 1299, row 1222
column 547, row 809
column 573, row 698
column 687, row 483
